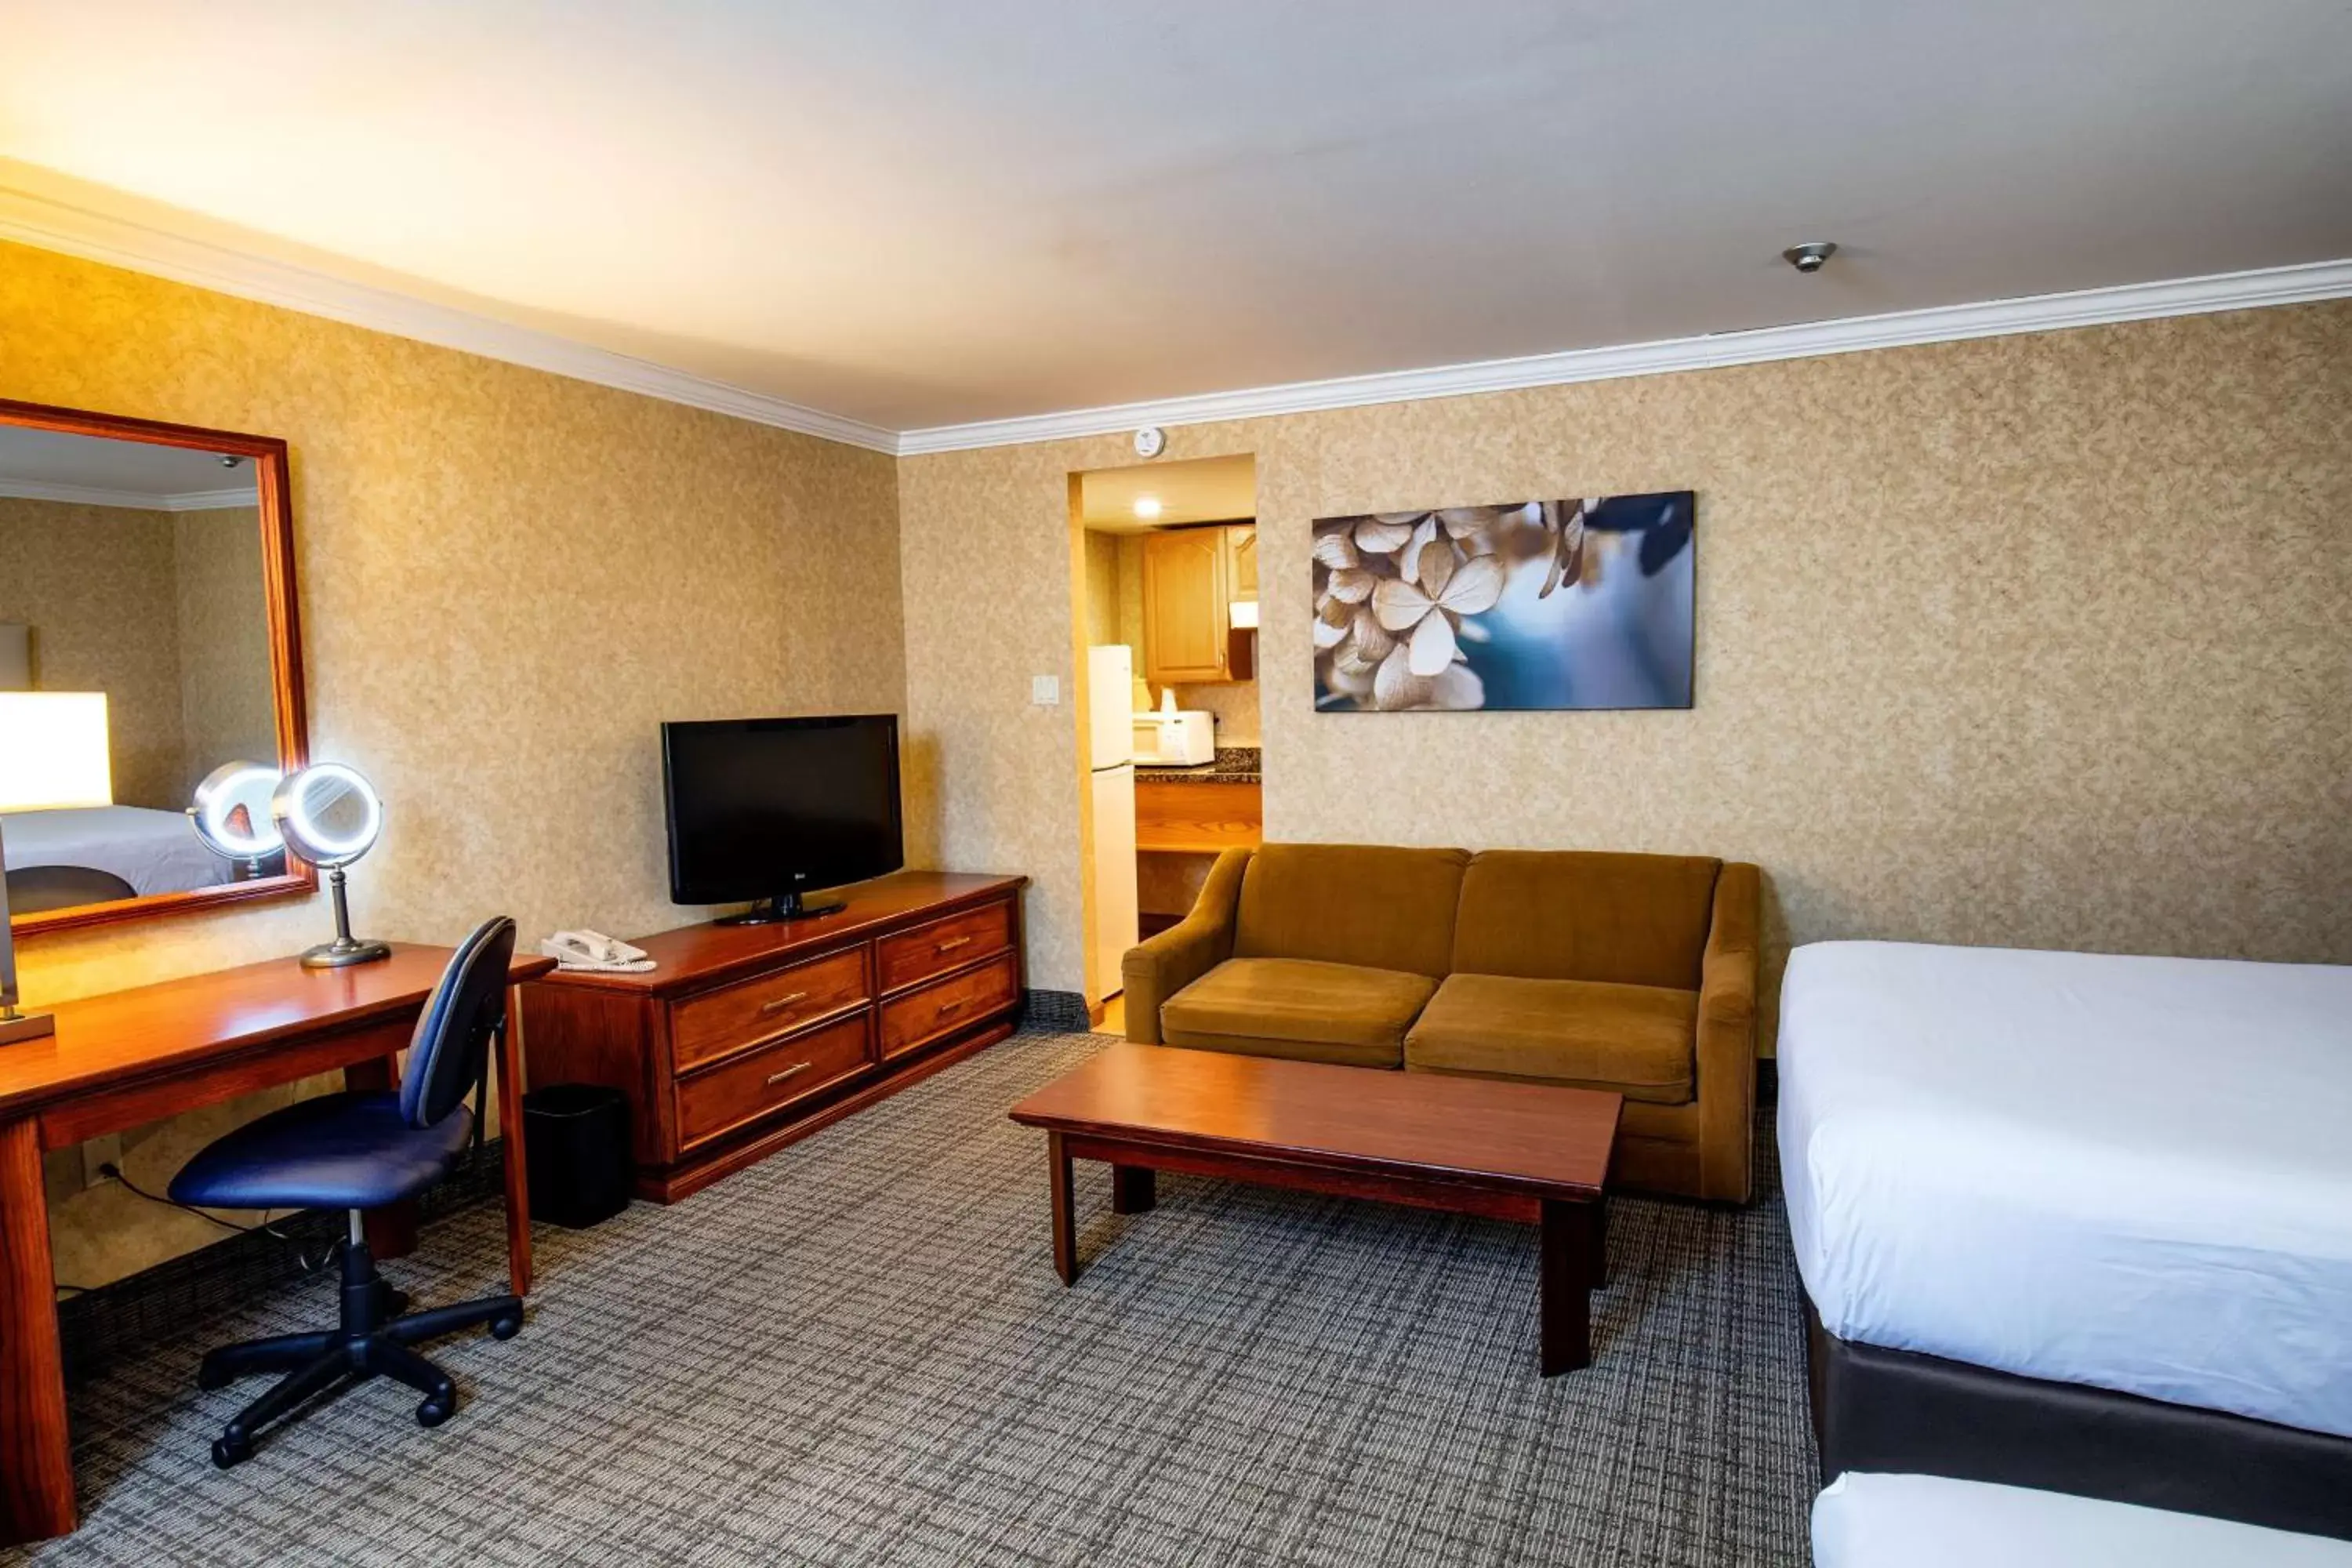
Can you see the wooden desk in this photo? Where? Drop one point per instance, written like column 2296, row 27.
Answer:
column 135, row 1056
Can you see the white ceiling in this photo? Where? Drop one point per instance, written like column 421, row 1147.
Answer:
column 53, row 464
column 915, row 213
column 1204, row 490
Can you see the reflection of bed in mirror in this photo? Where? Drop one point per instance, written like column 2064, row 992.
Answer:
column 119, row 851
column 150, row 565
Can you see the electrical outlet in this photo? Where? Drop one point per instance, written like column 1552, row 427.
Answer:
column 1045, row 691
column 96, row 1155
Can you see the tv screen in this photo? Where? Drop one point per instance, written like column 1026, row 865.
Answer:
column 766, row 809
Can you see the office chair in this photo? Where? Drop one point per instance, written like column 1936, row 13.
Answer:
column 358, row 1152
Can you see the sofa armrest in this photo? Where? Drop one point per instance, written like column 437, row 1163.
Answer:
column 1726, row 1064
column 1154, row 971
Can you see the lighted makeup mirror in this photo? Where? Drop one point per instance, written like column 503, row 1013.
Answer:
column 330, row 816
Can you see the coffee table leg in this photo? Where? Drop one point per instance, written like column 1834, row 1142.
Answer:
column 1132, row 1189
column 1065, row 1229
column 1566, row 1252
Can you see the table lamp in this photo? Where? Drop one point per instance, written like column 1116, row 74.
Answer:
column 53, row 754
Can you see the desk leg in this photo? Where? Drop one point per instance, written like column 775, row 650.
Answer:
column 36, row 1493
column 391, row 1230
column 510, row 1087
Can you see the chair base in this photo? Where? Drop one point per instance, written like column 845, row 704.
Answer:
column 373, row 1340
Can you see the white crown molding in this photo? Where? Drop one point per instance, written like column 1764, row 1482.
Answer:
column 135, row 500
column 1945, row 323
column 58, row 225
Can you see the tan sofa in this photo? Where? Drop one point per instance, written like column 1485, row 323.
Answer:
column 1633, row 973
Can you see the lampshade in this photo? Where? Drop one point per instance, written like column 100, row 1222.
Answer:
column 53, row 751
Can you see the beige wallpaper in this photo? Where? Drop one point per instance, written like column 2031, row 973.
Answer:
column 226, row 707
column 508, row 580
column 96, row 584
column 2040, row 640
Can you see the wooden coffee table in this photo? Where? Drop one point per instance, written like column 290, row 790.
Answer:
column 1520, row 1152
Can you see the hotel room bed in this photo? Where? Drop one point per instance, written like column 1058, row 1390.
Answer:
column 2078, row 1220
column 1867, row 1521
column 153, row 851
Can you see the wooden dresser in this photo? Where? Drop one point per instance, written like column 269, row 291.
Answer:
column 744, row 1038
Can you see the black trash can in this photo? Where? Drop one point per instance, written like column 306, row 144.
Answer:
column 576, row 1150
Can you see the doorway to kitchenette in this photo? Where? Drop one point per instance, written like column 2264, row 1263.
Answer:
column 1164, row 610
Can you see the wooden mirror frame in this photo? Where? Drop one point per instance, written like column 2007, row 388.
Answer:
column 277, row 508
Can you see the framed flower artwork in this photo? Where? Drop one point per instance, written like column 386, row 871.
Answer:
column 1581, row 603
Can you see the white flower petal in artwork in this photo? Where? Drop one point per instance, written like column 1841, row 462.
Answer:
column 1459, row 690
column 1395, row 686
column 1407, row 517
column 1381, row 536
column 1438, row 564
column 1346, row 680
column 1474, row 587
column 1409, row 558
column 1463, row 520
column 1351, row 586
column 1399, row 604
column 1431, row 648
column 1372, row 637
column 1353, row 656
column 1334, row 549
column 1473, row 631
column 1327, row 635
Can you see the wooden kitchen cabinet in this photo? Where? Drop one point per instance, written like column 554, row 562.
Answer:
column 1191, row 578
column 1186, row 590
column 1241, row 551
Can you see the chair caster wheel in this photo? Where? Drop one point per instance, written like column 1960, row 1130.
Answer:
column 432, row 1413
column 210, row 1377
column 231, row 1449
column 506, row 1328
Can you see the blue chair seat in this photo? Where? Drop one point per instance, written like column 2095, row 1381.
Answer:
column 338, row 1152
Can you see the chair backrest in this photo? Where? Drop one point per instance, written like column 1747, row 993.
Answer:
column 449, row 1051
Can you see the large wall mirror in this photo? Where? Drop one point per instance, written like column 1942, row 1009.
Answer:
column 147, row 599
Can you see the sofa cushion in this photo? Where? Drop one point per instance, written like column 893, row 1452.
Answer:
column 1631, row 920
column 1363, row 904
column 1636, row 1039
column 1297, row 1008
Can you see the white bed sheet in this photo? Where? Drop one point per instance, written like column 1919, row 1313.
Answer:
column 1863, row 1521
column 2130, row 1172
column 154, row 851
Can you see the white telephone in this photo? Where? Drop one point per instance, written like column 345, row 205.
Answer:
column 595, row 950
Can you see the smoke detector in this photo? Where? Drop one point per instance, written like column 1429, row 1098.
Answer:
column 1808, row 257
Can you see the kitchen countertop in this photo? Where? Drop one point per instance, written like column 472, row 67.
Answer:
column 1235, row 765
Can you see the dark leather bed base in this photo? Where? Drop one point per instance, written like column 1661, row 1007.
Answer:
column 1900, row 1411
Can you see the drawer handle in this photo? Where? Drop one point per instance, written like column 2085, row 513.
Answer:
column 948, row 1007
column 952, row 943
column 792, row 1071
column 781, row 1003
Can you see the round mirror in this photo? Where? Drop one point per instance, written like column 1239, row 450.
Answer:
column 232, row 812
column 330, row 815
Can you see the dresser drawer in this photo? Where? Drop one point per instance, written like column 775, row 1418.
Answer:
column 946, row 1006
column 942, row 945
column 752, row 1085
column 721, row 1021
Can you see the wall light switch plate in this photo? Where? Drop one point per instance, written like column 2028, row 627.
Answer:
column 1045, row 691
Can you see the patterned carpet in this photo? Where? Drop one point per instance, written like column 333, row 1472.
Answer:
column 857, row 1352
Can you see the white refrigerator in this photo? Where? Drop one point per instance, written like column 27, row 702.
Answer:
column 1111, row 762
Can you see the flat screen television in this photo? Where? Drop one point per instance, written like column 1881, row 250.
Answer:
column 771, row 809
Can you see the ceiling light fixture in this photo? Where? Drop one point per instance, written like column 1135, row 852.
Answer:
column 1808, row 257
column 1146, row 507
